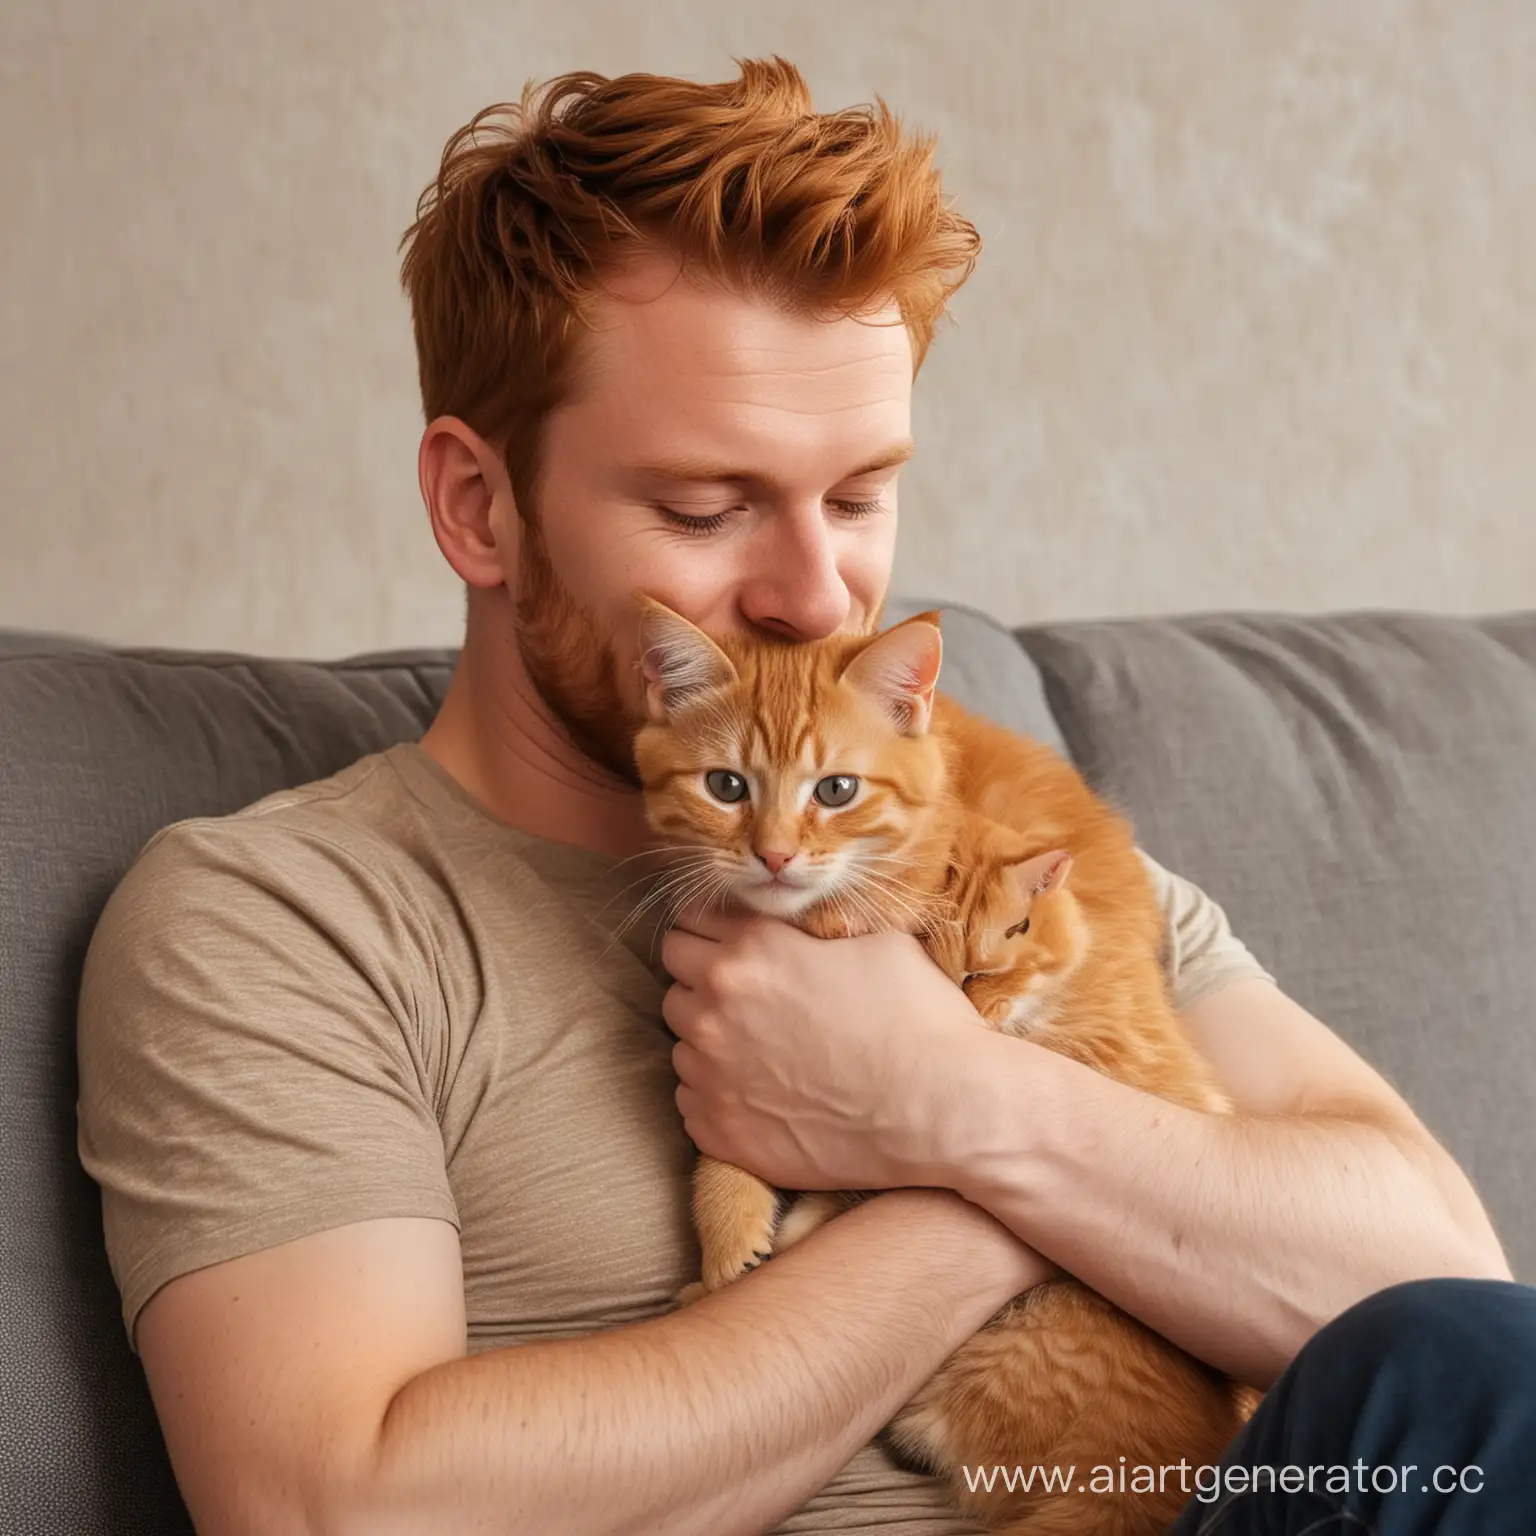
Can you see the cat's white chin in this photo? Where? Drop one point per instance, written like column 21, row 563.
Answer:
column 775, row 899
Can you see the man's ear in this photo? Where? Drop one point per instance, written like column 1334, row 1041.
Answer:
column 898, row 671
column 469, row 500
column 679, row 662
column 1041, row 873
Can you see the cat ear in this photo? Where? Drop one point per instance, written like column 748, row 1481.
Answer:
column 1044, row 872
column 898, row 670
column 679, row 662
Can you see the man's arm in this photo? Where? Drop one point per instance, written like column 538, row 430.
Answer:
column 1236, row 1236
column 322, row 1385
column 855, row 1064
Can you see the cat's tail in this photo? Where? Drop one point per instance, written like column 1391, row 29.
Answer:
column 1111, row 1515
column 1064, row 1415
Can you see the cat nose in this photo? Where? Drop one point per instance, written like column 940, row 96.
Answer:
column 775, row 861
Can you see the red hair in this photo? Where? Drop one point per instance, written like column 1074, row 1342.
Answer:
column 835, row 212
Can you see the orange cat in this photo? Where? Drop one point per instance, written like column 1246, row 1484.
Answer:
column 826, row 784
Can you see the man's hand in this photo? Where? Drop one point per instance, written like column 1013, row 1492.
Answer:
column 814, row 1063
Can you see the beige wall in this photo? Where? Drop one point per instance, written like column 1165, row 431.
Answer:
column 1256, row 322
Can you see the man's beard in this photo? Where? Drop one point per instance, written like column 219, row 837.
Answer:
column 572, row 664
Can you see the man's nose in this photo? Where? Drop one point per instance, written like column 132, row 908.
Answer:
column 795, row 588
column 775, row 861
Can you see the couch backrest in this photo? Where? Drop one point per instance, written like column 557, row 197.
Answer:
column 99, row 749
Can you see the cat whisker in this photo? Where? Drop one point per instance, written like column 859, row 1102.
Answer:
column 875, row 920
column 700, row 868
column 894, row 883
column 669, row 872
column 671, row 896
column 835, row 900
column 871, row 860
column 854, row 891
column 665, row 879
column 659, row 848
column 893, row 891
column 675, row 878
column 705, row 887
column 709, row 889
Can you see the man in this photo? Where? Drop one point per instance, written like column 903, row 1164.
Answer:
column 373, row 1091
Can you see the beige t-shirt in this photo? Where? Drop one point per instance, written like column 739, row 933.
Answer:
column 367, row 997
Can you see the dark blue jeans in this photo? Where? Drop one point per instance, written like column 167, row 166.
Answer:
column 1437, row 1377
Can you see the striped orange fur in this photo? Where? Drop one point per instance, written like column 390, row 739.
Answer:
column 1028, row 890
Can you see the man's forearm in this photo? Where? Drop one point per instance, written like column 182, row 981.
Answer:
column 1234, row 1236
column 720, row 1418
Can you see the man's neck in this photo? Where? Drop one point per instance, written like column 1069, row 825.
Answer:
column 495, row 736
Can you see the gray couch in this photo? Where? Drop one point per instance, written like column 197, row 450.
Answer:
column 1356, row 791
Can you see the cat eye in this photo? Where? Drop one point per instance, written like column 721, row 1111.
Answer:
column 725, row 785
column 1017, row 928
column 836, row 789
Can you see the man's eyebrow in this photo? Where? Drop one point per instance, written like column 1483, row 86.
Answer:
column 691, row 467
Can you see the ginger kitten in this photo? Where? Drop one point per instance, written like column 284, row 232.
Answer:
column 827, row 784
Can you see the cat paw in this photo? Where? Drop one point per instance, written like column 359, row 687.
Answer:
column 805, row 1215
column 689, row 1294
column 726, row 1261
column 735, row 1214
column 919, row 1438
column 696, row 1290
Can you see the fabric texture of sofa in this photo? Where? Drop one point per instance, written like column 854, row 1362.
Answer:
column 1356, row 791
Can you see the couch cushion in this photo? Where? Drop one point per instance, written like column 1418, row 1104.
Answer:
column 100, row 750
column 1358, row 793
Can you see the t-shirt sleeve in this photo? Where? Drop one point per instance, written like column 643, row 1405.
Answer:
column 252, row 1065
column 1201, row 954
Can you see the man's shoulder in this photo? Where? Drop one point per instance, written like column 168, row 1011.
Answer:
column 381, row 859
column 312, row 844
column 314, row 890
column 1200, row 952
column 360, row 809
